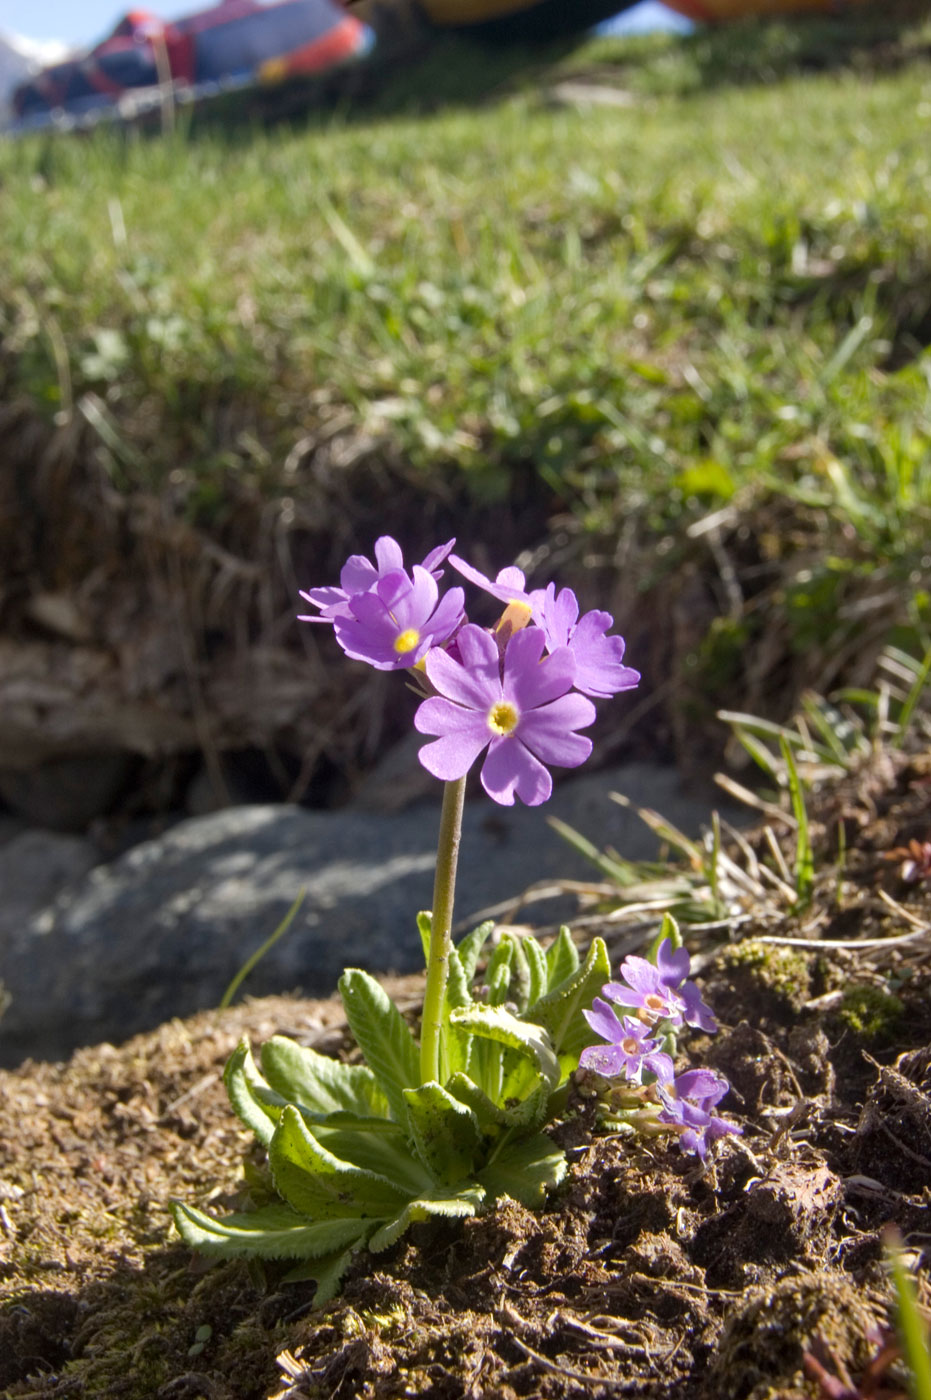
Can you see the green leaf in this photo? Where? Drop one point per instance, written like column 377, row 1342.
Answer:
column 383, row 1036
column 528, row 1037
column 498, row 974
column 521, row 1076
column 321, row 1185
column 254, row 1102
column 804, row 857
column 320, row 1083
column 560, row 1011
column 520, row 974
column 562, row 959
column 378, row 1145
column 274, row 1232
column 621, row 872
column 327, row 1271
column 445, row 1132
column 912, row 1329
column 464, row 1202
column 667, row 929
column 530, row 1113
column 258, row 955
column 458, row 986
column 524, row 1169
column 425, row 929
column 536, row 963
column 470, row 948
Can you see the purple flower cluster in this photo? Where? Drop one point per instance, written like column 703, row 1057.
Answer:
column 659, row 1001
column 517, row 692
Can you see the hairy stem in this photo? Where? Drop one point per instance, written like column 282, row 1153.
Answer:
column 444, row 891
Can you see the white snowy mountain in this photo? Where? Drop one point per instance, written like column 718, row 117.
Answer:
column 18, row 58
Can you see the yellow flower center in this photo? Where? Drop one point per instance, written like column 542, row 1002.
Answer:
column 406, row 641
column 502, row 718
column 654, row 1002
column 630, row 1045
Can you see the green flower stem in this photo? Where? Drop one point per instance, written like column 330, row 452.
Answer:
column 444, row 891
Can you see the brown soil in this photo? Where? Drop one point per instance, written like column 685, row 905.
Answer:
column 646, row 1275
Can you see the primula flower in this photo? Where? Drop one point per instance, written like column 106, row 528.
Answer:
column 598, row 669
column 661, row 992
column 516, row 707
column 396, row 623
column 508, row 586
column 632, row 1048
column 359, row 575
column 688, row 1101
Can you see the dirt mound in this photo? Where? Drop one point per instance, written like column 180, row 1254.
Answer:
column 646, row 1275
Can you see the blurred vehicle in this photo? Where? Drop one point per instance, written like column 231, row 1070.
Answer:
column 237, row 43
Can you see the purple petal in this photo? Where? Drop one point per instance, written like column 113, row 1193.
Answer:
column 622, row 994
column 508, row 586
column 438, row 556
column 704, row 1085
column 388, row 554
column 530, row 681
column 608, row 1060
column 598, row 658
column 560, row 613
column 604, row 1021
column 695, row 1011
column 452, row 755
column 357, row 575
column 324, row 597
column 475, row 681
column 660, row 1064
column 446, row 618
column 548, row 731
column 672, row 963
column 510, row 769
column 440, row 716
column 641, row 975
column 410, row 598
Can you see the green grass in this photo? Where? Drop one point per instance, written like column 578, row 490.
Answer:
column 716, row 297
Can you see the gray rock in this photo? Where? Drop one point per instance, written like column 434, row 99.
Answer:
column 161, row 931
column 34, row 867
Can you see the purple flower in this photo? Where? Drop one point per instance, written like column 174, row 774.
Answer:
column 598, row 669
column 509, row 586
column 661, row 991
column 631, row 1049
column 359, row 575
column 518, row 709
column 688, row 1101
column 395, row 624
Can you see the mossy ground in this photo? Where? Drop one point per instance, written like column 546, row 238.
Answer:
column 645, row 1275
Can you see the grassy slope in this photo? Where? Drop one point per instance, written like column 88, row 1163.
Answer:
column 718, row 295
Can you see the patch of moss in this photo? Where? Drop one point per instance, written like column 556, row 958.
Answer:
column 783, row 972
column 871, row 1012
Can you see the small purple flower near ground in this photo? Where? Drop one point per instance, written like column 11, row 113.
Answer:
column 359, row 575
column 598, row 657
column 688, row 1102
column 631, row 1049
column 395, row 624
column 661, row 992
column 520, row 710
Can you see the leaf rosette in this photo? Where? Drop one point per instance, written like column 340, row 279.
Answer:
column 359, row 1152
